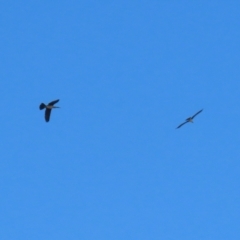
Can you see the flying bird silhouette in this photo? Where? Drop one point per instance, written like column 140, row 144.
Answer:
column 190, row 119
column 48, row 107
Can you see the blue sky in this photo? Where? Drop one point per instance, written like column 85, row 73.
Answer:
column 110, row 164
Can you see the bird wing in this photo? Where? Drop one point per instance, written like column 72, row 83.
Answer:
column 53, row 102
column 196, row 114
column 182, row 124
column 47, row 114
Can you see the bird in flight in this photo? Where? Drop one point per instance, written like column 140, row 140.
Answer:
column 190, row 119
column 48, row 107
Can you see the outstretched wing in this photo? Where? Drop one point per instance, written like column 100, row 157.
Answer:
column 196, row 114
column 53, row 102
column 182, row 124
column 47, row 114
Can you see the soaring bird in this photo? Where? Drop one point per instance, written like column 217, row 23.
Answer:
column 48, row 107
column 190, row 119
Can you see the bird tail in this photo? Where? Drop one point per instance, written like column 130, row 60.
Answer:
column 42, row 106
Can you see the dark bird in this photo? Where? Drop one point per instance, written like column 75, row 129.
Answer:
column 48, row 107
column 190, row 119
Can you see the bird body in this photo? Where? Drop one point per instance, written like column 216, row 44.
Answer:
column 190, row 119
column 48, row 108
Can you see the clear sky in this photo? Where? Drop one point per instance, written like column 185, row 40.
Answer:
column 110, row 164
